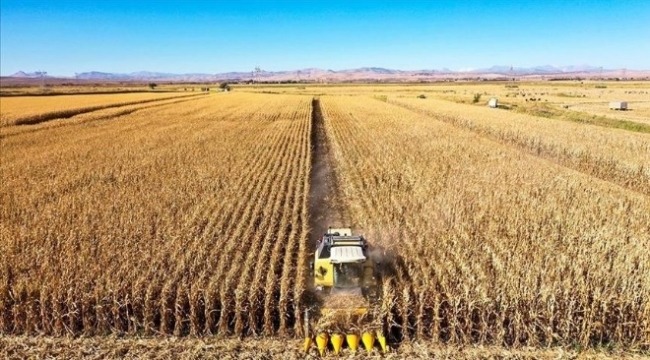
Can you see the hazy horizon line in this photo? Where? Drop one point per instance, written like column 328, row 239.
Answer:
column 450, row 69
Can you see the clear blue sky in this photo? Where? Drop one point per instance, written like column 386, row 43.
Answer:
column 64, row 37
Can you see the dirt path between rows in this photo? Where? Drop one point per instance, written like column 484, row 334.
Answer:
column 325, row 205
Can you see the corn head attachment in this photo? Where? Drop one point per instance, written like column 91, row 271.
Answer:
column 337, row 330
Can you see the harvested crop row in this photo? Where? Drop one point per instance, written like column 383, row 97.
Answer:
column 640, row 110
column 24, row 347
column 490, row 245
column 33, row 110
column 148, row 223
column 104, row 114
column 613, row 155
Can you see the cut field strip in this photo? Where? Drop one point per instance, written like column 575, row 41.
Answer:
column 97, row 115
column 604, row 166
column 68, row 113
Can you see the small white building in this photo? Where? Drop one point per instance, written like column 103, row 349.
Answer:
column 618, row 105
column 493, row 103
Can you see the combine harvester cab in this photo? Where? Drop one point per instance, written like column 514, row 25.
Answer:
column 347, row 281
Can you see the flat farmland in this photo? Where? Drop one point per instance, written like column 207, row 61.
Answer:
column 610, row 154
column 493, row 245
column 25, row 110
column 179, row 225
column 166, row 191
column 640, row 110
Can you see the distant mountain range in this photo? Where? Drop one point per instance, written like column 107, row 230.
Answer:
column 360, row 74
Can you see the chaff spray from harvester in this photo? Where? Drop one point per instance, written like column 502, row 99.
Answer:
column 347, row 279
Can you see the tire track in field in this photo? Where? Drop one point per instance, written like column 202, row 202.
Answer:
column 324, row 200
column 323, row 203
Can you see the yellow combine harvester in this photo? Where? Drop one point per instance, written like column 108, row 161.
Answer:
column 347, row 280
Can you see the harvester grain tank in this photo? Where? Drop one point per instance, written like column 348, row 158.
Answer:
column 342, row 265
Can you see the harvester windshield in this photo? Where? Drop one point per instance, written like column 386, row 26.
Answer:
column 348, row 275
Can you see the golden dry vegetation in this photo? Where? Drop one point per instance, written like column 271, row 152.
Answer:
column 26, row 110
column 492, row 245
column 578, row 101
column 22, row 347
column 189, row 217
column 640, row 110
column 172, row 220
column 614, row 155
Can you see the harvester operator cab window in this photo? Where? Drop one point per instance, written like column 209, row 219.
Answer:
column 348, row 275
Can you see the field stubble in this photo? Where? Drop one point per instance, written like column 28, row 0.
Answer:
column 22, row 347
column 29, row 110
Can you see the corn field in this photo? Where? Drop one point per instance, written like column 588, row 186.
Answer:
column 618, row 156
column 173, row 220
column 190, row 217
column 30, row 110
column 492, row 245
